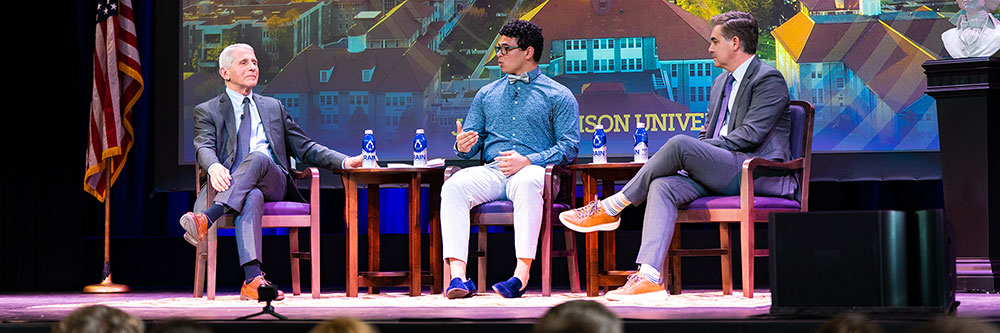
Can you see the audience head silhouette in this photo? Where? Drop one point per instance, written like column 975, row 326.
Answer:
column 99, row 319
column 581, row 316
column 343, row 325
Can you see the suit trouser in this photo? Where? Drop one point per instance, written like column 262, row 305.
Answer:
column 682, row 170
column 256, row 180
column 472, row 186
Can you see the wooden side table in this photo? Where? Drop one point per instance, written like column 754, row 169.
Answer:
column 607, row 173
column 374, row 277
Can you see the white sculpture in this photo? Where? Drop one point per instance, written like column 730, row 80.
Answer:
column 977, row 33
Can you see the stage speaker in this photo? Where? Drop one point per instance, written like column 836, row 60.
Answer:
column 931, row 260
column 872, row 261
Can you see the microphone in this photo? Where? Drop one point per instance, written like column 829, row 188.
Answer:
column 242, row 116
column 515, row 94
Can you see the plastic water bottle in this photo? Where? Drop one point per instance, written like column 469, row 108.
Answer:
column 600, row 145
column 641, row 144
column 420, row 149
column 368, row 150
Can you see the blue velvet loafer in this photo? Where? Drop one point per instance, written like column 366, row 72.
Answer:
column 510, row 288
column 459, row 289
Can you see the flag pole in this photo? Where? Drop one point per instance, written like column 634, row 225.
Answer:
column 106, row 286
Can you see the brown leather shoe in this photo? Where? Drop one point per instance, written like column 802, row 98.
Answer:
column 196, row 225
column 249, row 290
column 589, row 218
column 637, row 288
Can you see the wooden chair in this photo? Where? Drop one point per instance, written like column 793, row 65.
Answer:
column 747, row 208
column 501, row 213
column 279, row 214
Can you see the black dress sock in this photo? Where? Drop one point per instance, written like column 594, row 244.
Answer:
column 214, row 212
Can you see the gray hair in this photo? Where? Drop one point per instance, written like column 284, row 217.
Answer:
column 988, row 5
column 226, row 57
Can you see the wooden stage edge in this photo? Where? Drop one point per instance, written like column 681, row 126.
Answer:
column 394, row 311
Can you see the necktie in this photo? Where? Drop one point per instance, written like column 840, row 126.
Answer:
column 514, row 78
column 243, row 135
column 724, row 113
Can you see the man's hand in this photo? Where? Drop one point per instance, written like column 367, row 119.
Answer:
column 511, row 162
column 219, row 176
column 464, row 141
column 353, row 162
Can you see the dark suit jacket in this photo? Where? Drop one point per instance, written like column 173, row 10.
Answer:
column 215, row 137
column 759, row 123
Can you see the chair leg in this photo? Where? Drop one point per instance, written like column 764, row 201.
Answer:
column 445, row 276
column 199, row 269
column 546, row 257
column 592, row 249
column 314, row 283
column 675, row 263
column 293, row 244
column 482, row 259
column 213, row 247
column 725, row 243
column 571, row 261
column 746, row 255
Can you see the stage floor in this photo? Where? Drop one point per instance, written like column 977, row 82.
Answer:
column 394, row 305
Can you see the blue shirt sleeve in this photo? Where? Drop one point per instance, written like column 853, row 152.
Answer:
column 566, row 128
column 474, row 121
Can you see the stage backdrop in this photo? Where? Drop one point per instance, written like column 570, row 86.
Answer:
column 394, row 66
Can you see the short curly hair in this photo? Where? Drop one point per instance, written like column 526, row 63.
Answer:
column 527, row 34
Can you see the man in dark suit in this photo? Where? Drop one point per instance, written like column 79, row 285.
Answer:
column 244, row 140
column 747, row 117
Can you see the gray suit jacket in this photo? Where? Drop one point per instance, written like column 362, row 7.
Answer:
column 759, row 124
column 215, row 137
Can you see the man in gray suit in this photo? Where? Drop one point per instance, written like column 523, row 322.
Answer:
column 244, row 140
column 747, row 117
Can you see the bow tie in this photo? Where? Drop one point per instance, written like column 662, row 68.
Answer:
column 514, row 78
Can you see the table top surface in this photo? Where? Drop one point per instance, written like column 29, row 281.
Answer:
column 609, row 165
column 383, row 170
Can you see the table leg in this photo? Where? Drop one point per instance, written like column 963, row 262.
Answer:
column 415, row 276
column 374, row 243
column 591, row 242
column 608, row 189
column 351, row 233
column 434, row 256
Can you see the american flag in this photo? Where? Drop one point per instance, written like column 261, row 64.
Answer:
column 117, row 86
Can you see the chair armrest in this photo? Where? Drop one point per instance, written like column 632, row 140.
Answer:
column 210, row 191
column 450, row 170
column 559, row 170
column 566, row 181
column 752, row 163
column 746, row 176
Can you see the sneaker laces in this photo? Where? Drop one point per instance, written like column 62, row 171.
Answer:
column 263, row 281
column 633, row 279
column 590, row 209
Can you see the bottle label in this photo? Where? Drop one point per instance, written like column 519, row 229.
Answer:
column 641, row 152
column 368, row 153
column 419, row 151
column 600, row 147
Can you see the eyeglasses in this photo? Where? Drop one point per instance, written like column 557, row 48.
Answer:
column 504, row 49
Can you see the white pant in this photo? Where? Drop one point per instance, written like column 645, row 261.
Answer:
column 472, row 186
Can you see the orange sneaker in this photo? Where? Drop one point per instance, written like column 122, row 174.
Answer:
column 249, row 290
column 637, row 288
column 589, row 218
column 195, row 225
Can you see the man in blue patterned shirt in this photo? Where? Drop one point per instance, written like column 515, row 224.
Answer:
column 519, row 124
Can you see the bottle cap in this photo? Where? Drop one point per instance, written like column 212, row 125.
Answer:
column 369, row 131
column 420, row 131
column 640, row 125
column 599, row 127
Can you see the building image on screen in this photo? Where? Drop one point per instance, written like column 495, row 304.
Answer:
column 394, row 66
